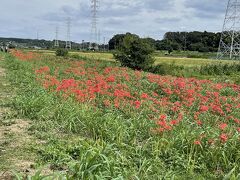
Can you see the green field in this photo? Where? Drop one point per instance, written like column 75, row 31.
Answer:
column 176, row 58
column 92, row 119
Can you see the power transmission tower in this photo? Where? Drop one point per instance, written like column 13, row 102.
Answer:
column 82, row 45
column 56, row 42
column 68, row 41
column 104, row 43
column 37, row 34
column 229, row 46
column 99, row 39
column 185, row 41
column 94, row 34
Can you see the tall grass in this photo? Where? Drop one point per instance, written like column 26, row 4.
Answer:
column 220, row 69
column 87, row 142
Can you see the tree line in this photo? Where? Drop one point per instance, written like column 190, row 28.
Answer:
column 190, row 41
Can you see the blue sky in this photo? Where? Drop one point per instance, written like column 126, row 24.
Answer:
column 147, row 18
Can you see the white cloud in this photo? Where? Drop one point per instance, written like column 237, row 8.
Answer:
column 21, row 18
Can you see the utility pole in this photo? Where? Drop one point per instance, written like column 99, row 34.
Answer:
column 229, row 46
column 68, row 41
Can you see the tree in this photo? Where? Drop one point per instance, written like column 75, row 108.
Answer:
column 134, row 52
column 169, row 49
column 175, row 46
column 161, row 45
column 150, row 41
column 196, row 46
column 61, row 52
column 115, row 41
column 195, row 41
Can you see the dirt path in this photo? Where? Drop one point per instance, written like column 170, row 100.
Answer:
column 15, row 140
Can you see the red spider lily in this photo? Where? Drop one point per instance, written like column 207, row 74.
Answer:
column 217, row 109
column 162, row 123
column 137, row 104
column 180, row 116
column 111, row 79
column 175, row 99
column 155, row 94
column 163, row 117
column 116, row 103
column 181, row 84
column 199, row 123
column 121, row 93
column 203, row 109
column 223, row 138
column 168, row 91
column 197, row 142
column 174, row 122
column 144, row 95
column 43, row 70
column 238, row 129
column 67, row 84
column 237, row 121
column 24, row 56
column 223, row 126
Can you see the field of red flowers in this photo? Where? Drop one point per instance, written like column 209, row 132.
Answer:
column 197, row 118
column 167, row 101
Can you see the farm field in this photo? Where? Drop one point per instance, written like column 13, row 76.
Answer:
column 189, row 62
column 176, row 58
column 96, row 120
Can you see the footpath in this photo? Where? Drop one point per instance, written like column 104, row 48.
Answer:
column 15, row 139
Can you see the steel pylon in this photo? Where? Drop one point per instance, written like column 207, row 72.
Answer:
column 56, row 42
column 68, row 41
column 229, row 46
column 94, row 33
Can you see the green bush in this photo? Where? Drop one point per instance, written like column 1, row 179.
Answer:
column 76, row 56
column 203, row 49
column 167, row 69
column 62, row 52
column 134, row 52
column 220, row 69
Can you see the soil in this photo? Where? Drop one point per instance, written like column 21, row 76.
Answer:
column 14, row 137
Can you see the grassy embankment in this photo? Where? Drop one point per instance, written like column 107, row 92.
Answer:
column 121, row 131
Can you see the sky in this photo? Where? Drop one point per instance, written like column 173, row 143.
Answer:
column 147, row 18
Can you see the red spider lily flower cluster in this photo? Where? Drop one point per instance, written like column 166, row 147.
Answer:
column 199, row 103
column 24, row 56
column 170, row 102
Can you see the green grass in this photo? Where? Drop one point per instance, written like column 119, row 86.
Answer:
column 178, row 58
column 189, row 62
column 14, row 150
column 187, row 54
column 92, row 142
